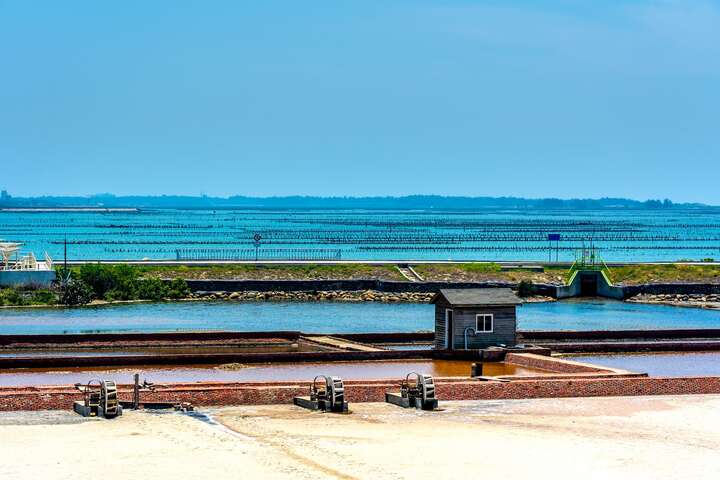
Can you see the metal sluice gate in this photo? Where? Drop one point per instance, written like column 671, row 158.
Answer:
column 100, row 399
column 325, row 396
column 416, row 393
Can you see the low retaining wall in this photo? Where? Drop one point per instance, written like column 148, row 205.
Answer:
column 559, row 336
column 75, row 338
column 553, row 364
column 349, row 285
column 393, row 337
column 53, row 398
column 380, row 337
column 634, row 346
column 685, row 340
column 554, row 291
column 208, row 358
column 672, row 288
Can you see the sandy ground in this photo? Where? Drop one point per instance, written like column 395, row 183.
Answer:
column 631, row 437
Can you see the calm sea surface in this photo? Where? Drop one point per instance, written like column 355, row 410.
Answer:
column 622, row 235
column 337, row 317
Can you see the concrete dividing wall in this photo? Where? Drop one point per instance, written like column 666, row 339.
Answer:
column 208, row 358
column 551, row 364
column 602, row 335
column 131, row 337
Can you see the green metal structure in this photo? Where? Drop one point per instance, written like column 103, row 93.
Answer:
column 588, row 259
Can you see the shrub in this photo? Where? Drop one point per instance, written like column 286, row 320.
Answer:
column 122, row 282
column 178, row 288
column 76, row 292
column 151, row 289
column 43, row 297
column 111, row 282
column 11, row 296
column 99, row 278
column 525, row 288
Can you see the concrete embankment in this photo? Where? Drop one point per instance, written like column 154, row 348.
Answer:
column 188, row 348
column 698, row 300
column 345, row 285
column 676, row 340
column 315, row 296
column 384, row 287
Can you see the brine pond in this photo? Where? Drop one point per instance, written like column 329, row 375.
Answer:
column 259, row 372
column 332, row 317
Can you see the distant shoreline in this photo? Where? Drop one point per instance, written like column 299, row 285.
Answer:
column 69, row 209
column 408, row 202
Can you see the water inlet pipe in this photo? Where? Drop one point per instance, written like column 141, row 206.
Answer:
column 465, row 334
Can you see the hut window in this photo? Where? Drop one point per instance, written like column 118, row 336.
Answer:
column 484, row 323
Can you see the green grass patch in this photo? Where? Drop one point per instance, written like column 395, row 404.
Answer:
column 18, row 297
column 637, row 274
column 479, row 267
column 299, row 271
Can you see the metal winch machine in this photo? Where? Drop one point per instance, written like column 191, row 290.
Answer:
column 100, row 399
column 416, row 391
column 327, row 394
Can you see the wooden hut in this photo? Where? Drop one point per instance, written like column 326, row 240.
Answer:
column 475, row 318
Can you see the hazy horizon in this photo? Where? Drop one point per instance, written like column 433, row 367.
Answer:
column 358, row 197
column 312, row 201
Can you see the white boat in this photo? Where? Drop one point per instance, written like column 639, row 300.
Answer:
column 17, row 269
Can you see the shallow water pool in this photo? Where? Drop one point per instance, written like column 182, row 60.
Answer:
column 659, row 364
column 259, row 372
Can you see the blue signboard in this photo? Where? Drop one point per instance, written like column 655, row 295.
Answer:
column 553, row 237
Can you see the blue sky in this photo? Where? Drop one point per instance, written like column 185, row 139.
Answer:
column 391, row 97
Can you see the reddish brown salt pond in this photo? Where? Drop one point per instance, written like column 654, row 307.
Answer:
column 258, row 372
column 179, row 350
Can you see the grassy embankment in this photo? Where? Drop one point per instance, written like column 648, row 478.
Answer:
column 639, row 274
column 112, row 283
column 461, row 272
column 275, row 272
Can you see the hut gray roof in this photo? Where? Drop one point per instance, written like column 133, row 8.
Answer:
column 467, row 297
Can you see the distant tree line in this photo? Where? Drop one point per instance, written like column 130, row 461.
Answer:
column 406, row 202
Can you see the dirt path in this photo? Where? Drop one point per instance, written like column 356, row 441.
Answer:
column 641, row 437
column 630, row 437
